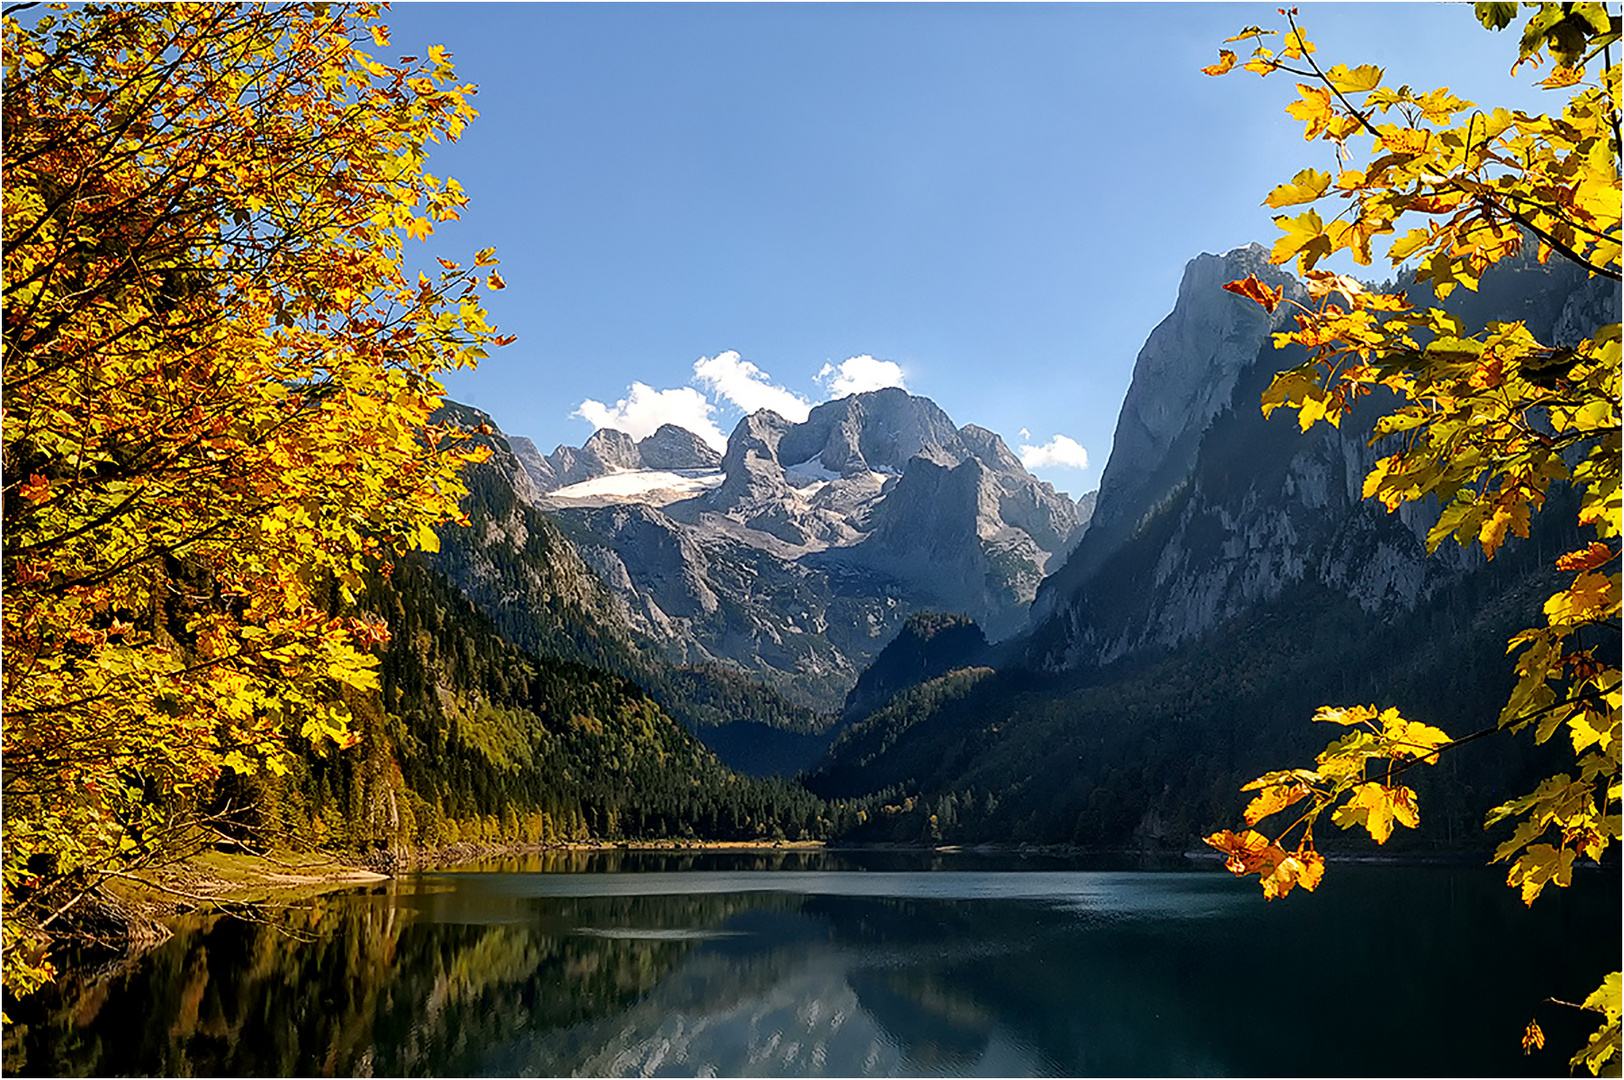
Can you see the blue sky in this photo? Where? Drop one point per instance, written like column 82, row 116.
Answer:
column 995, row 201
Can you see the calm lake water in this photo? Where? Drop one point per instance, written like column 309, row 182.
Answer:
column 850, row 964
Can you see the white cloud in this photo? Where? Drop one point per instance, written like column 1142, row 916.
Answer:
column 859, row 375
column 724, row 382
column 641, row 412
column 748, row 387
column 1058, row 453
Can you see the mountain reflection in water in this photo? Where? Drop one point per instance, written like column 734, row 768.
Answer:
column 849, row 965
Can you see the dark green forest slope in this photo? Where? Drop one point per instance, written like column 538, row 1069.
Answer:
column 475, row 739
column 1152, row 753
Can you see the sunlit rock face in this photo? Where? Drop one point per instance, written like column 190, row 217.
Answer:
column 796, row 554
column 1206, row 509
column 1185, row 375
column 672, row 447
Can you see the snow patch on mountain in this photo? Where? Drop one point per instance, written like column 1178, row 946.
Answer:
column 642, row 485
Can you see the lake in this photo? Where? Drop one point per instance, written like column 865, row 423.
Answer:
column 850, row 964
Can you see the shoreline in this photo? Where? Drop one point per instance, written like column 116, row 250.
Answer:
column 215, row 880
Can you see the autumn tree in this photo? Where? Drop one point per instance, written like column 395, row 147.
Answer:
column 218, row 379
column 1484, row 424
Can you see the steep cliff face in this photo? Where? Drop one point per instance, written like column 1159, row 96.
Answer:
column 1194, row 527
column 1185, row 375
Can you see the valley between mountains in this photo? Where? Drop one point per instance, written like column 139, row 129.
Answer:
column 876, row 625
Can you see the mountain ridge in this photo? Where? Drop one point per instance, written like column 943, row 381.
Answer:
column 797, row 554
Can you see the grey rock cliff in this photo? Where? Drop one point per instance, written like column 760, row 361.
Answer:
column 672, row 447
column 1195, row 526
column 1184, row 376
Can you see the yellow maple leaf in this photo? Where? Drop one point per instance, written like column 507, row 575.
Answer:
column 1272, row 800
column 1355, row 80
column 1493, row 533
column 1417, row 740
column 1537, row 867
column 1377, row 807
column 1591, row 597
column 1314, row 109
column 1404, row 140
column 1306, row 186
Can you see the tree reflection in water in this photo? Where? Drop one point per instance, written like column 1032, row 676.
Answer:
column 826, row 965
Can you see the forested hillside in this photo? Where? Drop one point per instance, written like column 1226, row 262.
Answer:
column 473, row 739
column 1152, row 753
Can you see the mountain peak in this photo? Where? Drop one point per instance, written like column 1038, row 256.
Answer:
column 1184, row 376
column 875, row 431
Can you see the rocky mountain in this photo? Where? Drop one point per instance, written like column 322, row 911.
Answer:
column 609, row 451
column 1206, row 509
column 1232, row 581
column 797, row 553
column 1184, row 376
column 519, row 569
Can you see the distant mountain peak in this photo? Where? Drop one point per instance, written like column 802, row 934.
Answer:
column 796, row 551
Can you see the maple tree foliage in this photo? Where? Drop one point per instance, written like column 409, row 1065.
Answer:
column 218, row 386
column 1484, row 424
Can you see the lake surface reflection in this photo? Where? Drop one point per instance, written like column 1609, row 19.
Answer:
column 850, row 964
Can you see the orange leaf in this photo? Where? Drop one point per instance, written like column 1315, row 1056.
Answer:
column 1304, row 868
column 1253, row 289
column 1591, row 557
column 1226, row 60
column 1245, row 850
column 36, row 490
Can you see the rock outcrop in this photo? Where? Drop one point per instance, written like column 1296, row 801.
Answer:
column 1206, row 509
